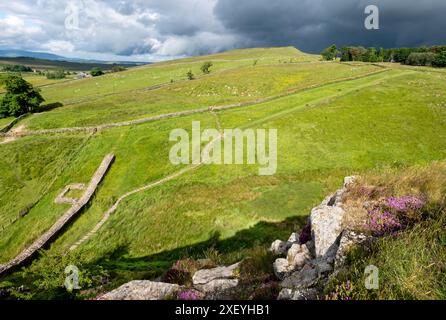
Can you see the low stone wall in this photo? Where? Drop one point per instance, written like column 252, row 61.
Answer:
column 48, row 236
column 8, row 127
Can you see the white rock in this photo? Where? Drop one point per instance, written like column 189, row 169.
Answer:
column 142, row 290
column 299, row 261
column 305, row 249
column 218, row 289
column 298, row 295
column 348, row 181
column 281, row 268
column 207, row 275
column 279, row 247
column 348, row 240
column 293, row 252
column 326, row 223
column 294, row 238
column 298, row 255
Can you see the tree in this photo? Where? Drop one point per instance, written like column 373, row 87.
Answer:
column 370, row 55
column 190, row 75
column 96, row 72
column 440, row 60
column 206, row 66
column 20, row 97
column 330, row 53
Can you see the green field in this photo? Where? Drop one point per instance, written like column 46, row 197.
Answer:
column 5, row 121
column 333, row 120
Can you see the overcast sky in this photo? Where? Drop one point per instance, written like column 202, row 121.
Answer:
column 151, row 30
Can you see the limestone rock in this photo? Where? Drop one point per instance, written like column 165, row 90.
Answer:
column 294, row 238
column 142, row 290
column 302, row 279
column 207, row 275
column 322, row 265
column 218, row 289
column 293, row 252
column 298, row 295
column 348, row 240
column 279, row 247
column 326, row 223
column 281, row 268
column 298, row 255
column 348, row 181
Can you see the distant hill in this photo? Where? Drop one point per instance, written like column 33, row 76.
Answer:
column 30, row 54
column 50, row 61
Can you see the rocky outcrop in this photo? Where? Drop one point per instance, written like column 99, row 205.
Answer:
column 217, row 283
column 212, row 284
column 348, row 240
column 143, row 290
column 308, row 265
column 326, row 225
column 208, row 275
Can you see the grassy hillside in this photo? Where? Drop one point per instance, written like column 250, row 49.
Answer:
column 333, row 120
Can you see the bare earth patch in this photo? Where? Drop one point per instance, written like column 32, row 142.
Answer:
column 13, row 134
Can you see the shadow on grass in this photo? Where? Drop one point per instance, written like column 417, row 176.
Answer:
column 244, row 243
column 116, row 267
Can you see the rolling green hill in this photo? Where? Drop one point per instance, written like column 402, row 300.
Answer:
column 333, row 120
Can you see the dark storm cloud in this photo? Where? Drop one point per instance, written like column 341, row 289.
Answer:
column 160, row 29
column 314, row 24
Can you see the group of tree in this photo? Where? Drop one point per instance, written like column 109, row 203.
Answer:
column 56, row 75
column 422, row 56
column 16, row 68
column 20, row 98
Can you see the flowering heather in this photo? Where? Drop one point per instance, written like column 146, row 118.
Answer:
column 305, row 235
column 189, row 295
column 381, row 223
column 184, row 265
column 405, row 204
column 344, row 292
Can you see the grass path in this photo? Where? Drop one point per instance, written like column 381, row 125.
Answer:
column 147, row 187
column 315, row 103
